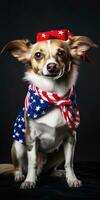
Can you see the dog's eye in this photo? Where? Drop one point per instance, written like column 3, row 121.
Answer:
column 61, row 53
column 38, row 55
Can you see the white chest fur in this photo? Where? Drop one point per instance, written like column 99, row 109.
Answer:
column 54, row 118
column 50, row 129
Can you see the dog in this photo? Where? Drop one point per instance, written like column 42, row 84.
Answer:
column 50, row 136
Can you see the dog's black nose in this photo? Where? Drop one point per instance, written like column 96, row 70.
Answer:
column 52, row 68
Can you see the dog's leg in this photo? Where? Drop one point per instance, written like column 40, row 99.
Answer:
column 17, row 154
column 31, row 145
column 41, row 161
column 69, row 147
column 31, row 174
column 54, row 160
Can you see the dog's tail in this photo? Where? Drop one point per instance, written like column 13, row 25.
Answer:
column 6, row 169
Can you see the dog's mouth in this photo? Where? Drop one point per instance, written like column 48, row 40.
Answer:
column 54, row 73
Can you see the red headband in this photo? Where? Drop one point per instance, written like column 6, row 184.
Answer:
column 55, row 34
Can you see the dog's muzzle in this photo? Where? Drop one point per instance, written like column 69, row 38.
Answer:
column 53, row 70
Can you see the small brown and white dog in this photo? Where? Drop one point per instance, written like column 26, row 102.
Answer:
column 52, row 66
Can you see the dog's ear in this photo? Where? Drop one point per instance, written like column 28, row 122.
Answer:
column 20, row 49
column 80, row 44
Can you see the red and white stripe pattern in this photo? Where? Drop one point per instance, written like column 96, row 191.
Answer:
column 66, row 105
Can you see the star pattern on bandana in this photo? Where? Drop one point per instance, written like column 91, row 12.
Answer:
column 37, row 108
column 19, row 128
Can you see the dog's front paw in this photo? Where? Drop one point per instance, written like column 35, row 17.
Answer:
column 27, row 185
column 19, row 176
column 73, row 182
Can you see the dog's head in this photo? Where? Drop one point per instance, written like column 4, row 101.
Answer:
column 50, row 58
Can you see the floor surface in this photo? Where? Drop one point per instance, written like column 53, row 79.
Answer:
column 55, row 188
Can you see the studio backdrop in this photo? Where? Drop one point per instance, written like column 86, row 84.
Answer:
column 23, row 19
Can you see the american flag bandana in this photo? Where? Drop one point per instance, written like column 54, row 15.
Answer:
column 39, row 102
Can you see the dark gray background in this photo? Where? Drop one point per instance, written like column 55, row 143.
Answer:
column 23, row 19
